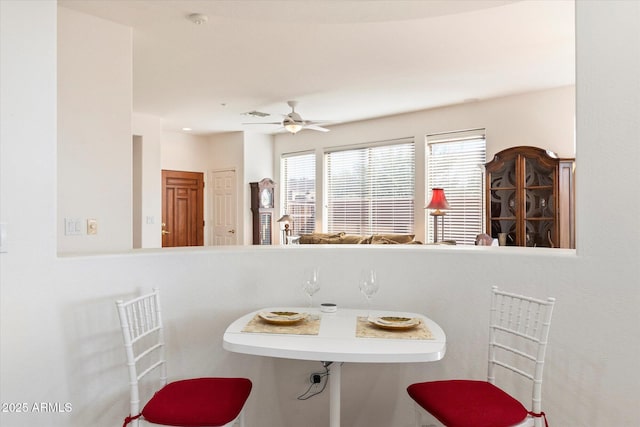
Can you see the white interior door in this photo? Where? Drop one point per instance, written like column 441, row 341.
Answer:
column 224, row 210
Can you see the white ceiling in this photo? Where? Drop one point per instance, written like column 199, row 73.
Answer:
column 341, row 60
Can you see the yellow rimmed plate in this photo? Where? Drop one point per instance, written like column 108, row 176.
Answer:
column 395, row 323
column 282, row 317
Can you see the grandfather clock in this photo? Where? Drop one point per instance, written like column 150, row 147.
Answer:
column 262, row 211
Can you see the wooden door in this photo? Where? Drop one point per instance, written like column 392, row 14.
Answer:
column 224, row 209
column 182, row 209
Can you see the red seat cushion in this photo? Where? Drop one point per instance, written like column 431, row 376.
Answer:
column 464, row 403
column 198, row 402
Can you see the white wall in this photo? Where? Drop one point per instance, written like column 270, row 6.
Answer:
column 184, row 152
column 59, row 338
column 94, row 138
column 227, row 151
column 544, row 119
column 258, row 164
column 148, row 129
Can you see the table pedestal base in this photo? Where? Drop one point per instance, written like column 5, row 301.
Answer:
column 334, row 394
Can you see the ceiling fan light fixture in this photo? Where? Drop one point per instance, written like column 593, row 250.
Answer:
column 293, row 127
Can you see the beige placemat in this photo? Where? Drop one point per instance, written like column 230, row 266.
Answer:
column 364, row 329
column 309, row 326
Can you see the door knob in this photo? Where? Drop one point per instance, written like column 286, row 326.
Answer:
column 163, row 230
column 232, row 231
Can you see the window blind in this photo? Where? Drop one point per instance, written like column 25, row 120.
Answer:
column 298, row 175
column 371, row 189
column 455, row 163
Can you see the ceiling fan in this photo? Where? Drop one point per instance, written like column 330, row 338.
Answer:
column 293, row 123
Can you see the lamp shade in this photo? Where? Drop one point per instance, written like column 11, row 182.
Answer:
column 438, row 200
column 286, row 219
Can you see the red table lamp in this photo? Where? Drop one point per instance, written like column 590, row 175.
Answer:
column 438, row 201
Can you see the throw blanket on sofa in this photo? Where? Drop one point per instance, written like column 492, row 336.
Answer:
column 354, row 239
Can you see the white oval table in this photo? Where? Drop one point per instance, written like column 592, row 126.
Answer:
column 336, row 342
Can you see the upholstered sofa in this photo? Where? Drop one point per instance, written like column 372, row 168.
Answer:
column 355, row 239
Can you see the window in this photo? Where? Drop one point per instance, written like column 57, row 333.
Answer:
column 371, row 189
column 455, row 163
column 299, row 190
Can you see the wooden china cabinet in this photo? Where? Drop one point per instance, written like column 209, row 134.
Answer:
column 530, row 197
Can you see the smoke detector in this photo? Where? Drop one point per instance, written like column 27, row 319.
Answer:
column 198, row 18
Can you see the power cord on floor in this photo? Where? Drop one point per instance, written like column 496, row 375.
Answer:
column 315, row 379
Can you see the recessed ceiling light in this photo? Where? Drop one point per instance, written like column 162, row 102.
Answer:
column 186, row 129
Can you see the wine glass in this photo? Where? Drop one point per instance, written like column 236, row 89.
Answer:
column 369, row 285
column 311, row 283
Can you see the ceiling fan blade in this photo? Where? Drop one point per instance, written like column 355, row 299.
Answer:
column 260, row 123
column 316, row 127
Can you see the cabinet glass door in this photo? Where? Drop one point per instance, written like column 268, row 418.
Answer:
column 503, row 201
column 539, row 206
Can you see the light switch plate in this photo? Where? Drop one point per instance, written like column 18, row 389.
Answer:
column 72, row 227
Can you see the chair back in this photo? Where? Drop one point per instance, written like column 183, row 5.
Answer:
column 519, row 329
column 143, row 335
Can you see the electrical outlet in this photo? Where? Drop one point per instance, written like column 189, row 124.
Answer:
column 92, row 226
